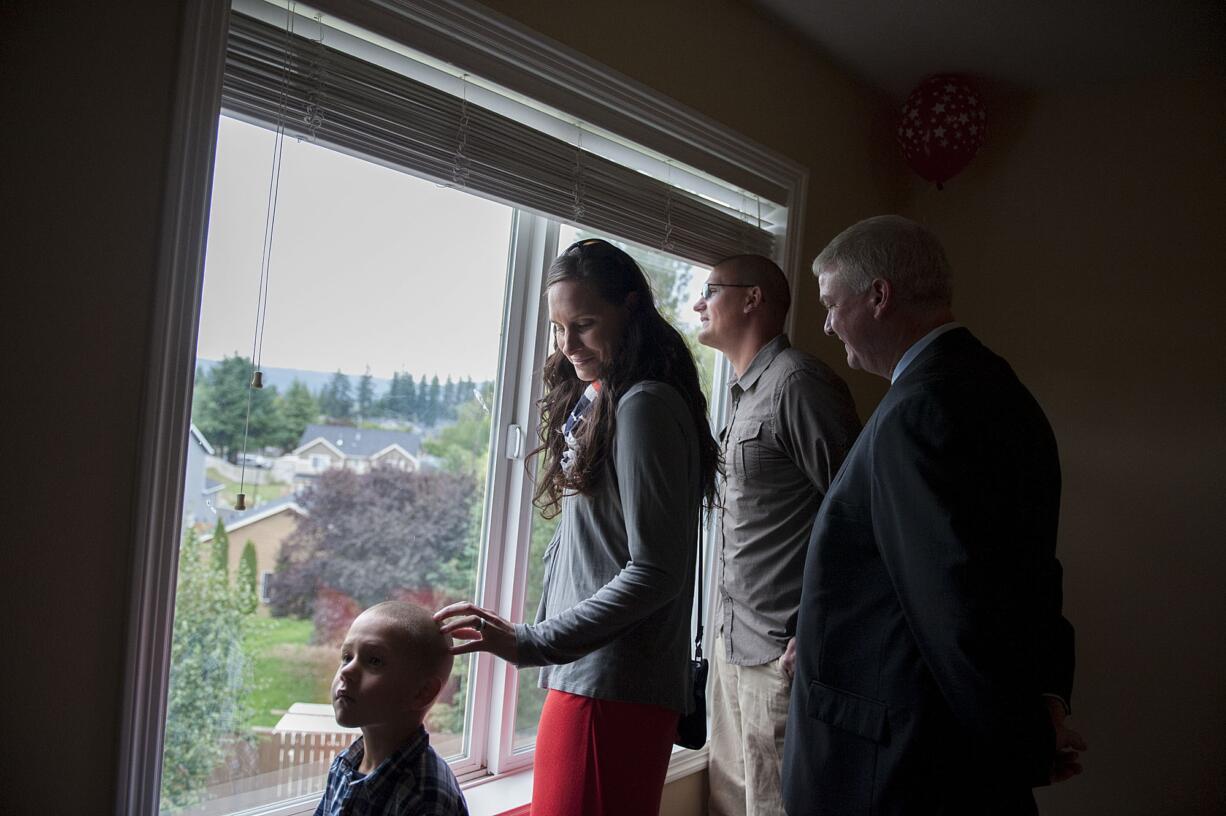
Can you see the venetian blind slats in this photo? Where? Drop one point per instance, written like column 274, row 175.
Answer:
column 344, row 102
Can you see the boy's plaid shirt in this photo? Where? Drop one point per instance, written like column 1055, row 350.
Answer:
column 413, row 781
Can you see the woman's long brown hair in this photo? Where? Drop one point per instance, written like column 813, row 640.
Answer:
column 649, row 349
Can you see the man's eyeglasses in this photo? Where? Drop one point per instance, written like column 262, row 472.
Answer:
column 709, row 288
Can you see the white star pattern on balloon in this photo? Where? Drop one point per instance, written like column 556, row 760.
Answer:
column 941, row 127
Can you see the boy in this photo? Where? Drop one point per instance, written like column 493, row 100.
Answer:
column 394, row 662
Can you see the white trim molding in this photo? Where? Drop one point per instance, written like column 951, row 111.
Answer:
column 167, row 402
column 480, row 41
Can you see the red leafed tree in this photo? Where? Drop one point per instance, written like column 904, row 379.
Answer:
column 374, row 536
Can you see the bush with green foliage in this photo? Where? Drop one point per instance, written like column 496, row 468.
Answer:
column 209, row 676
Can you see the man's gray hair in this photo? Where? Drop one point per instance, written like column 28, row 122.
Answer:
column 895, row 249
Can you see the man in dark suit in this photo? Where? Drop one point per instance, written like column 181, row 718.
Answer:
column 934, row 666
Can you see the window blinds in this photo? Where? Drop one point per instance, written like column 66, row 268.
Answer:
column 339, row 100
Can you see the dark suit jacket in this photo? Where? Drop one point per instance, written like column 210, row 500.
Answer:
column 930, row 622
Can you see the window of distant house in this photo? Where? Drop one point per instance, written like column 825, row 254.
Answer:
column 404, row 323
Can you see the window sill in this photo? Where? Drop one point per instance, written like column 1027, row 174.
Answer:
column 509, row 794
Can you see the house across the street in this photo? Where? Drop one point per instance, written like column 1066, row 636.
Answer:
column 266, row 526
column 323, row 447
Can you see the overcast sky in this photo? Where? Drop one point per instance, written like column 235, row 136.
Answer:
column 370, row 267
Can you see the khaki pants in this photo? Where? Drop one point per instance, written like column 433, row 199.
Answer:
column 749, row 711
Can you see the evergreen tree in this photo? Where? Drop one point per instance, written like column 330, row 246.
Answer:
column 219, row 408
column 408, row 397
column 220, row 551
column 336, row 398
column 421, row 405
column 433, row 403
column 449, row 398
column 366, row 394
column 246, row 593
column 296, row 409
column 387, row 402
column 398, row 401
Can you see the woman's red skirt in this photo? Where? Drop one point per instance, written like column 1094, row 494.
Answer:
column 600, row 757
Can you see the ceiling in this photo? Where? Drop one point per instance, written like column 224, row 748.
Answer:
column 1026, row 44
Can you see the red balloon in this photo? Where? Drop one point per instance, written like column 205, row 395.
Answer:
column 941, row 127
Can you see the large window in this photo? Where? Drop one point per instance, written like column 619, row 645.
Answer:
column 380, row 264
column 386, row 313
column 384, row 333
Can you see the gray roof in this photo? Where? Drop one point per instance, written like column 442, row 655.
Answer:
column 199, row 437
column 230, row 516
column 361, row 441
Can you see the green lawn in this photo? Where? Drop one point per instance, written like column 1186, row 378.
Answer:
column 256, row 493
column 286, row 668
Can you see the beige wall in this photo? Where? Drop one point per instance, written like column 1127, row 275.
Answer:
column 1087, row 244
column 725, row 60
column 394, row 458
column 267, row 534
column 88, row 89
column 685, row 797
column 319, row 449
column 1085, row 238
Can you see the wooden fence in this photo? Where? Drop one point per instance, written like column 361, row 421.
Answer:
column 271, row 767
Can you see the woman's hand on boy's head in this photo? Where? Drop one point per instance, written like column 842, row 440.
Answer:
column 484, row 631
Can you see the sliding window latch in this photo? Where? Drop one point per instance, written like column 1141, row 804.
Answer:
column 515, row 442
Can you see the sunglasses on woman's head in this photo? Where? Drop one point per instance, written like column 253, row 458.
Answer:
column 589, row 242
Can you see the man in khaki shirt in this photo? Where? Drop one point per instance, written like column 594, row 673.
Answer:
column 792, row 421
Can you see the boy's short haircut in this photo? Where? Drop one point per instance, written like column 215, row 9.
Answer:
column 420, row 636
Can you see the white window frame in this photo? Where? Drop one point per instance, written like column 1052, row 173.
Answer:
column 489, row 44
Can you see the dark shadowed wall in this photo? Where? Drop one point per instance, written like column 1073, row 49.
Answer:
column 86, row 92
column 1087, row 244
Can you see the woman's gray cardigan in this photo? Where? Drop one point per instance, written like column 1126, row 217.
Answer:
column 619, row 573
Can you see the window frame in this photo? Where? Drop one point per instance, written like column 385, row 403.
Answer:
column 489, row 44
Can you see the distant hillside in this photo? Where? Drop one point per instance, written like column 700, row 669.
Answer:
column 282, row 378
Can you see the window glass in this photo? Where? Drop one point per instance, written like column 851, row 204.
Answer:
column 676, row 284
column 382, row 333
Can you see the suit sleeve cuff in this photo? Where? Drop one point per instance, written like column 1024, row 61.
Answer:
column 1063, row 702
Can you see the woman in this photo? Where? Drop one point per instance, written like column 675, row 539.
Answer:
column 628, row 459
